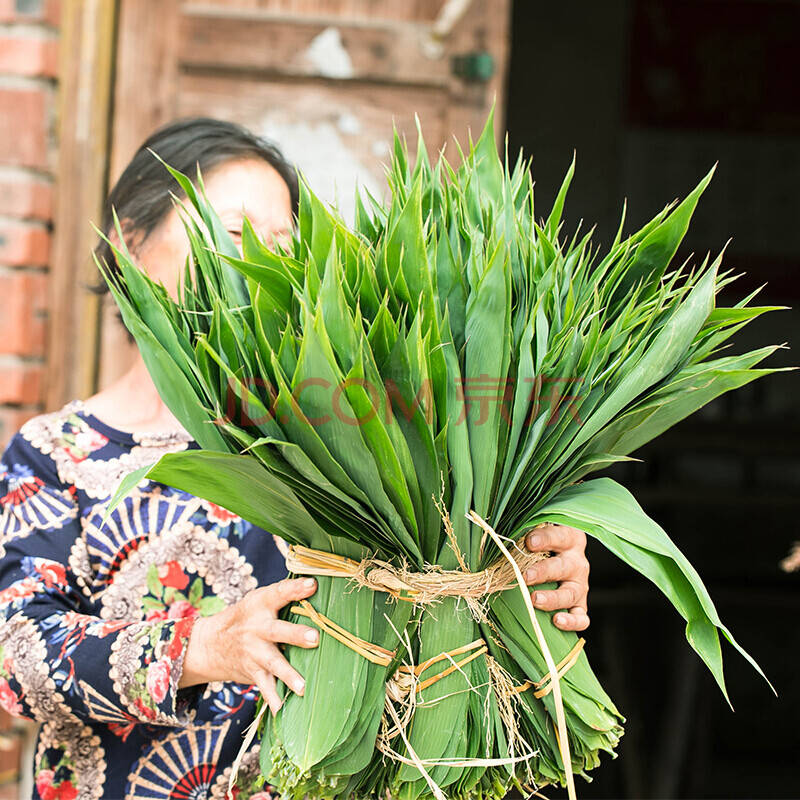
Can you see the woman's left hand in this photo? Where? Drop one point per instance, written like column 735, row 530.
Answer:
column 568, row 567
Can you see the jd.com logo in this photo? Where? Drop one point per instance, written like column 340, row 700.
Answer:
column 475, row 398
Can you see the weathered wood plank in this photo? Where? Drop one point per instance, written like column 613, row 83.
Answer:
column 87, row 53
column 423, row 10
column 358, row 115
column 392, row 53
column 484, row 28
column 144, row 98
column 146, row 74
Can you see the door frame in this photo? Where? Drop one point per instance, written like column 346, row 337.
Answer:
column 86, row 69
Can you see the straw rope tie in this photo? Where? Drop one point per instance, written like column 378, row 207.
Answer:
column 404, row 681
column 372, row 652
column 545, row 685
column 420, row 588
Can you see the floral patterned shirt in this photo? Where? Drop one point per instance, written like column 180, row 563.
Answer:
column 94, row 620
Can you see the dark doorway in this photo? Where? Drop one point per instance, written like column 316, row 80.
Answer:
column 650, row 94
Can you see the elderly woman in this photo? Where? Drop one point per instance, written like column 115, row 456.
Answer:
column 141, row 645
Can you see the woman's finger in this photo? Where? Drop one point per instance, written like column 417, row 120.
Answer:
column 576, row 619
column 568, row 595
column 275, row 596
column 557, row 568
column 266, row 685
column 554, row 537
column 283, row 632
column 272, row 660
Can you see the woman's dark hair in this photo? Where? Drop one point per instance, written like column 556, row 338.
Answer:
column 141, row 196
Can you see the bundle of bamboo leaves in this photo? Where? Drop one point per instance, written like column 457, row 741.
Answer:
column 362, row 389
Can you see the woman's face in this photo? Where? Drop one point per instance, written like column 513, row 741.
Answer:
column 235, row 189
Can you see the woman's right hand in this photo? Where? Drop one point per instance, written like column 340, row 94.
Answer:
column 240, row 643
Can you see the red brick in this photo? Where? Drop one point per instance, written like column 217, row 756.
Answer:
column 23, row 127
column 48, row 11
column 26, row 197
column 11, row 420
column 23, row 245
column 21, row 384
column 28, row 56
column 23, row 313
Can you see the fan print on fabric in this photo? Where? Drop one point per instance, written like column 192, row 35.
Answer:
column 180, row 767
column 155, row 559
column 30, row 504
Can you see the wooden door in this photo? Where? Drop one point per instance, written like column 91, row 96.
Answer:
column 325, row 79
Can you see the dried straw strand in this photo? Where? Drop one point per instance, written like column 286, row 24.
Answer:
column 563, row 743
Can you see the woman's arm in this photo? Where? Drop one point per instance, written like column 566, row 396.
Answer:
column 568, row 567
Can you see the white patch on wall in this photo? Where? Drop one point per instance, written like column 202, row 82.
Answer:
column 321, row 152
column 349, row 124
column 380, row 149
column 328, row 54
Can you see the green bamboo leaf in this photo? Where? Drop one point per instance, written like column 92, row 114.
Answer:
column 554, row 220
column 655, row 252
column 458, row 453
column 241, row 485
column 488, row 168
column 406, row 256
column 177, row 392
column 435, row 733
column 322, row 401
column 339, row 320
column 660, row 357
column 365, row 401
column 275, row 281
column 609, row 512
column 331, row 670
column 125, row 487
column 486, row 369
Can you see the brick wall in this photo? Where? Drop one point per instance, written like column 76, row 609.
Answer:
column 28, row 83
column 28, row 73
